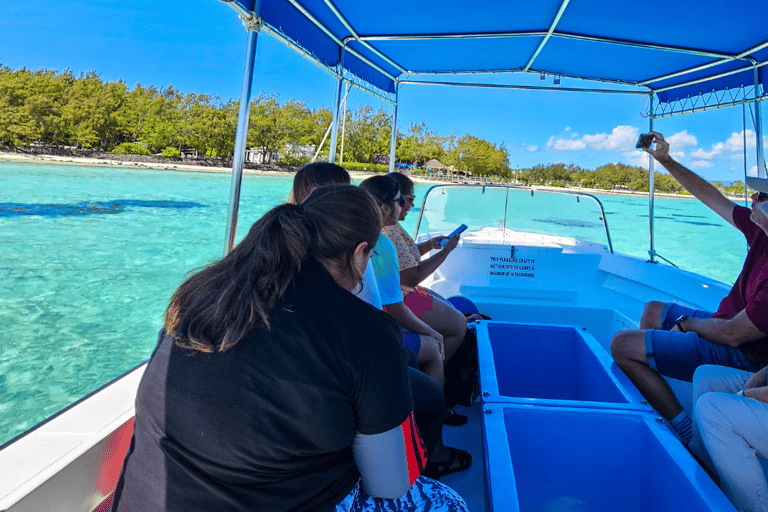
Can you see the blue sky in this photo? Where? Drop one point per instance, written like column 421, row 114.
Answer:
column 200, row 48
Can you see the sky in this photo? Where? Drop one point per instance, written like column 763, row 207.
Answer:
column 201, row 48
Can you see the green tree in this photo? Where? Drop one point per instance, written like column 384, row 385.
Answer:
column 478, row 157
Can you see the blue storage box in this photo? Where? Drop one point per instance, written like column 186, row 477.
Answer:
column 549, row 459
column 552, row 365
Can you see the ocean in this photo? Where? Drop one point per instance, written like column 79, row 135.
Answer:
column 89, row 257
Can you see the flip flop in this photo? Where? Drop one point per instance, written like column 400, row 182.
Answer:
column 454, row 419
column 437, row 470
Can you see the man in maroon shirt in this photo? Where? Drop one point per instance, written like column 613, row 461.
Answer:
column 674, row 340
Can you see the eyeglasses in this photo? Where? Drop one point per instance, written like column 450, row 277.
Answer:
column 401, row 201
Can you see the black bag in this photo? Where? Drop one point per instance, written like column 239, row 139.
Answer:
column 462, row 376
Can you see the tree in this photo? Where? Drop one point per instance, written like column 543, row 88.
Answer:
column 367, row 134
column 478, row 157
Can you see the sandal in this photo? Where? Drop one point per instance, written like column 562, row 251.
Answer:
column 436, row 470
column 454, row 419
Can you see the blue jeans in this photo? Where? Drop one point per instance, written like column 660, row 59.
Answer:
column 678, row 354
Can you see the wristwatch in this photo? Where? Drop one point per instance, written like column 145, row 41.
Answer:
column 679, row 322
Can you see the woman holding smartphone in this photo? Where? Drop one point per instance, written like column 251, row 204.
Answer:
column 429, row 306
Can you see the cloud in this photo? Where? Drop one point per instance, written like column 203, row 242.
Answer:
column 638, row 158
column 530, row 148
column 733, row 145
column 701, row 164
column 565, row 144
column 622, row 138
column 567, row 128
column 677, row 155
column 682, row 139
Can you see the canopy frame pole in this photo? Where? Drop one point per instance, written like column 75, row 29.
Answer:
column 336, row 109
column 761, row 172
column 651, row 186
column 253, row 25
column 343, row 125
column 744, row 135
column 393, row 136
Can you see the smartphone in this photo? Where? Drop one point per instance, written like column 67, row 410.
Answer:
column 644, row 141
column 455, row 232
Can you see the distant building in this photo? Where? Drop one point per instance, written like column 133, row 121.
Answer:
column 299, row 151
column 188, row 153
column 261, row 156
column 435, row 165
column 258, row 155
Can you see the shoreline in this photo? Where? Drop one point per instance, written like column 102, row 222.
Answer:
column 284, row 171
column 263, row 170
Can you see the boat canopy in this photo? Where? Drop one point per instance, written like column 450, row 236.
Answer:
column 692, row 54
column 685, row 55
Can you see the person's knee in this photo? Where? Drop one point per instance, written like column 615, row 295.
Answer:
column 430, row 351
column 708, row 410
column 457, row 319
column 651, row 317
column 624, row 345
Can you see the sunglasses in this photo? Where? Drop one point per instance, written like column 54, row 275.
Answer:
column 410, row 197
column 401, row 201
column 762, row 196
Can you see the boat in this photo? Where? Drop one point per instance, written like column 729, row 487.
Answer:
column 588, row 441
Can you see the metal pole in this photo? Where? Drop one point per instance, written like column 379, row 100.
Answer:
column 241, row 140
column 336, row 105
column 761, row 172
column 393, row 138
column 343, row 126
column 744, row 134
column 335, row 123
column 651, row 185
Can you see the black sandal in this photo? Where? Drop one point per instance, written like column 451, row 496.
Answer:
column 454, row 419
column 436, row 470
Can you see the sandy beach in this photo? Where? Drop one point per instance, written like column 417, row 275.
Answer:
column 265, row 170
column 276, row 170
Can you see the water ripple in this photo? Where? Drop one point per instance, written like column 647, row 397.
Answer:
column 90, row 207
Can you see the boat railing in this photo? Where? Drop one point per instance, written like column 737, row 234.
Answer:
column 515, row 208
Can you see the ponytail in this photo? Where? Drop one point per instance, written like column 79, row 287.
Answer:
column 215, row 308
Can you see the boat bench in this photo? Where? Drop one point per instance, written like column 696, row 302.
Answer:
column 564, row 429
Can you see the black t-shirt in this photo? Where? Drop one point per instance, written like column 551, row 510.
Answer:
column 268, row 425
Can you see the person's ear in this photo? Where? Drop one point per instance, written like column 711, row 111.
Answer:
column 361, row 255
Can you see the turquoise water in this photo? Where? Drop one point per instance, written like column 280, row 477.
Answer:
column 90, row 256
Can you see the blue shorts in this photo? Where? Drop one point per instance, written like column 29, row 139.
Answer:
column 678, row 354
column 411, row 340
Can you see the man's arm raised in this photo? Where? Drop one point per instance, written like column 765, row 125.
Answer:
column 690, row 181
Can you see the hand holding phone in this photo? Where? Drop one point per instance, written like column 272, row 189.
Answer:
column 455, row 232
column 645, row 141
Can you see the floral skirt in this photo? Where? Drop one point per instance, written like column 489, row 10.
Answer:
column 425, row 494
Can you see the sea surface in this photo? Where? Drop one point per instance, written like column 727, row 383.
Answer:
column 89, row 257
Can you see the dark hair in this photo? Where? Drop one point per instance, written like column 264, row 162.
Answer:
column 216, row 307
column 406, row 183
column 383, row 189
column 314, row 175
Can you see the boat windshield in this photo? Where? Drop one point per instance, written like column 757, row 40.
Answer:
column 530, row 210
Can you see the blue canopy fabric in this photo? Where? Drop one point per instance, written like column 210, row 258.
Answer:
column 677, row 48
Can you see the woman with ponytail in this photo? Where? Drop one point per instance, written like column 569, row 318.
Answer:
column 272, row 387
